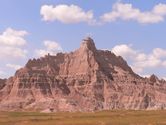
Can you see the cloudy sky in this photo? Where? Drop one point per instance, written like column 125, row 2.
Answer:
column 133, row 29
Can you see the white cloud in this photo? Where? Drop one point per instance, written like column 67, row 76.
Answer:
column 1, row 73
column 124, row 50
column 164, row 63
column 146, row 76
column 12, row 43
column 125, row 11
column 66, row 14
column 11, row 37
column 158, row 52
column 51, row 47
column 13, row 66
column 140, row 66
column 160, row 9
column 12, row 52
column 139, row 60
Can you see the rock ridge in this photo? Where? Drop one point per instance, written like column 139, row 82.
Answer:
column 87, row 79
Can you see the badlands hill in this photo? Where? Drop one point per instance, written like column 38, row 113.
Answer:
column 87, row 79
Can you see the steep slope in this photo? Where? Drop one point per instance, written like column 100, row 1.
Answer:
column 2, row 83
column 84, row 80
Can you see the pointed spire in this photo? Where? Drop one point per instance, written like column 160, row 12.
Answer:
column 88, row 43
column 153, row 78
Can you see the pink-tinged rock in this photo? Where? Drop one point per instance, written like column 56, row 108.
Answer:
column 84, row 80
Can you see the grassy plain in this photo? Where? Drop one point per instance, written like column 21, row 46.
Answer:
column 97, row 118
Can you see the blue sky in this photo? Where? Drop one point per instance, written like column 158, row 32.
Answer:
column 137, row 32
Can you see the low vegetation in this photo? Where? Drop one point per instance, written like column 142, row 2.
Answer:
column 97, row 118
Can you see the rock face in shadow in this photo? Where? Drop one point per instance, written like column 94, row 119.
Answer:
column 2, row 83
column 84, row 80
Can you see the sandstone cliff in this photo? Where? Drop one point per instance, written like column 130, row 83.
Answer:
column 84, row 80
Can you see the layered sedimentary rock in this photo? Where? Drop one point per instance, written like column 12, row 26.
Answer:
column 84, row 80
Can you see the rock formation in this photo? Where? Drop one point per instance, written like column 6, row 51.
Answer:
column 84, row 80
column 2, row 83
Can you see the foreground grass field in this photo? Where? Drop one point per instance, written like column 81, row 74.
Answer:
column 97, row 118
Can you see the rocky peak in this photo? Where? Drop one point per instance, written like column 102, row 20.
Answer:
column 153, row 78
column 88, row 44
column 84, row 80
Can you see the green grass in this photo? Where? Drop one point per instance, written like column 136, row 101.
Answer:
column 97, row 118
